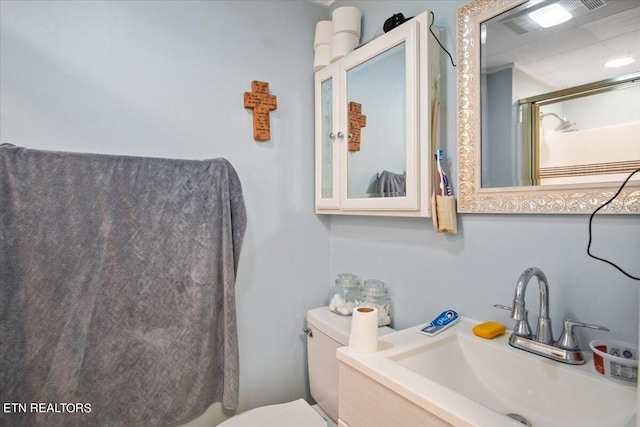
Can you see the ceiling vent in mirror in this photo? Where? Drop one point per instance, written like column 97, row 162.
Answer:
column 520, row 23
column 579, row 7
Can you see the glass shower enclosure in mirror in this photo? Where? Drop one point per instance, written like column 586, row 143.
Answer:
column 586, row 134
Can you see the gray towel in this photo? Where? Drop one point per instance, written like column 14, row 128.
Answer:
column 390, row 184
column 117, row 289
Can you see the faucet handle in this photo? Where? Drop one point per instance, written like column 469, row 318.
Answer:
column 568, row 339
column 522, row 327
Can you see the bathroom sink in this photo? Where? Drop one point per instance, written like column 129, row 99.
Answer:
column 467, row 380
column 544, row 392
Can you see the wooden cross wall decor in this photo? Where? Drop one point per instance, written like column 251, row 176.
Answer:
column 261, row 103
column 357, row 121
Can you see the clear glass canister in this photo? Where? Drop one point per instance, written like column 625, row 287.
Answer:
column 374, row 294
column 343, row 295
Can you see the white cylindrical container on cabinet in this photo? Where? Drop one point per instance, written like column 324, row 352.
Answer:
column 322, row 57
column 322, row 45
column 343, row 43
column 346, row 19
column 324, row 31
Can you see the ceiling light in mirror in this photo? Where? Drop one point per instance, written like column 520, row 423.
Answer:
column 551, row 15
column 619, row 62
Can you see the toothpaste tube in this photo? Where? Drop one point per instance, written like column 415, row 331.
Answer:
column 440, row 323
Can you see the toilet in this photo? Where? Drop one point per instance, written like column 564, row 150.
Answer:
column 326, row 332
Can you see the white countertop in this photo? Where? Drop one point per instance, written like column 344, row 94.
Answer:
column 441, row 401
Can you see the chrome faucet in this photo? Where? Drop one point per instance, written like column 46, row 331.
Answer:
column 566, row 349
column 544, row 333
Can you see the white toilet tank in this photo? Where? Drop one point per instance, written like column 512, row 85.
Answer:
column 329, row 331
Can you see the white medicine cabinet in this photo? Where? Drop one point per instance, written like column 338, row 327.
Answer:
column 373, row 124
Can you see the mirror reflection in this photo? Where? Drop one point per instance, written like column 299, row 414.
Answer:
column 559, row 93
column 376, row 95
column 588, row 138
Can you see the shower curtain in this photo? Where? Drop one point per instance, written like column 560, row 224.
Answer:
column 117, row 292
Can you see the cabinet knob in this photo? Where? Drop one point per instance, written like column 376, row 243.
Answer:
column 340, row 135
column 332, row 136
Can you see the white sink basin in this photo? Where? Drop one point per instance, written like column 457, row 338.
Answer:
column 544, row 392
column 467, row 380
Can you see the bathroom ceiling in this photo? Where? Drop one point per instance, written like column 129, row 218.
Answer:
column 572, row 53
column 325, row 3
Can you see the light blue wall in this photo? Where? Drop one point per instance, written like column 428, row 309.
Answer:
column 497, row 161
column 428, row 272
column 166, row 78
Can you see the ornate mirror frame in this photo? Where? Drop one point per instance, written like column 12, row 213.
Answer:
column 567, row 199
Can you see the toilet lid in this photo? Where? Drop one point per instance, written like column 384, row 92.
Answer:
column 293, row 414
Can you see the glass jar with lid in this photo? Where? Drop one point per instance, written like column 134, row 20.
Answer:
column 343, row 295
column 374, row 294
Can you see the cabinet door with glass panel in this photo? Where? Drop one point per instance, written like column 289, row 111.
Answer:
column 372, row 139
column 327, row 154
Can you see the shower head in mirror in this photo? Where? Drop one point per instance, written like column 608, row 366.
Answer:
column 564, row 123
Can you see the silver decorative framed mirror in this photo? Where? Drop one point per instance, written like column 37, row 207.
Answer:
column 543, row 125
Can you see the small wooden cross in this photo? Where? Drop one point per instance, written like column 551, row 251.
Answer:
column 357, row 121
column 261, row 103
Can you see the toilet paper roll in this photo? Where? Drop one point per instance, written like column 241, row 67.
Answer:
column 322, row 57
column 364, row 330
column 347, row 19
column 324, row 31
column 342, row 44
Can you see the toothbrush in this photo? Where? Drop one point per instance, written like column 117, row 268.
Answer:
column 446, row 185
column 445, row 188
column 440, row 175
